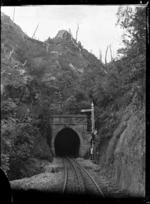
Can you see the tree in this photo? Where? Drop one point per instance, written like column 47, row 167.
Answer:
column 134, row 51
column 77, row 32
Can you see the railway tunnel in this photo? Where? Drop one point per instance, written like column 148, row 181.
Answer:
column 67, row 143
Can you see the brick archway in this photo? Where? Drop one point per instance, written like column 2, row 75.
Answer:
column 77, row 123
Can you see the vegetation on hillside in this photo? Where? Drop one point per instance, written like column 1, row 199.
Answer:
column 126, row 76
column 37, row 83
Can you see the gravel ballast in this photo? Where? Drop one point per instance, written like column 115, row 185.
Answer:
column 53, row 178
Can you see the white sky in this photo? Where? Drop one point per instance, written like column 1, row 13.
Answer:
column 96, row 24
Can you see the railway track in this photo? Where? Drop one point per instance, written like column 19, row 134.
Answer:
column 78, row 180
column 73, row 181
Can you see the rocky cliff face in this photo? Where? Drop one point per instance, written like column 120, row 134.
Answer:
column 124, row 155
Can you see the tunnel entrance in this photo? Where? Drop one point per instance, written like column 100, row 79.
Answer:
column 67, row 143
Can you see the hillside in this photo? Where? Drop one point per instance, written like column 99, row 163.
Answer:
column 38, row 79
column 59, row 76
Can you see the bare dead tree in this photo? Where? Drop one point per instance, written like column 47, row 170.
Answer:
column 100, row 54
column 77, row 32
column 47, row 47
column 10, row 54
column 70, row 34
column 106, row 54
column 70, row 31
column 35, row 30
column 111, row 53
column 24, row 63
column 13, row 15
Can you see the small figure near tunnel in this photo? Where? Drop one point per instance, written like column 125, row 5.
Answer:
column 67, row 143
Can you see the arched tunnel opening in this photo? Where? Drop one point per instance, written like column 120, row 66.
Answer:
column 67, row 143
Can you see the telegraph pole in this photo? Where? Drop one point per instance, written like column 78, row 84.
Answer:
column 92, row 115
column 93, row 124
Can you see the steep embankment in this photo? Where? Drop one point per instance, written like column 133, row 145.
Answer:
column 122, row 119
column 19, row 158
column 38, row 79
column 123, row 157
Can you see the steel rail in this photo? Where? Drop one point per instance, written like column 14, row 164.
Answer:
column 66, row 176
column 81, row 185
column 91, row 177
column 79, row 175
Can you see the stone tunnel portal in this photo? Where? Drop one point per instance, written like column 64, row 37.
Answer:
column 67, row 143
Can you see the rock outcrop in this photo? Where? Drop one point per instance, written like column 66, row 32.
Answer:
column 63, row 34
column 123, row 158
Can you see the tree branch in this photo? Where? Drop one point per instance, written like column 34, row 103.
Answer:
column 106, row 54
column 111, row 53
column 13, row 15
column 35, row 30
column 100, row 55
column 24, row 63
column 47, row 47
column 10, row 54
column 77, row 32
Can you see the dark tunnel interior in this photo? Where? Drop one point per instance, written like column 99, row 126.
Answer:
column 67, row 143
